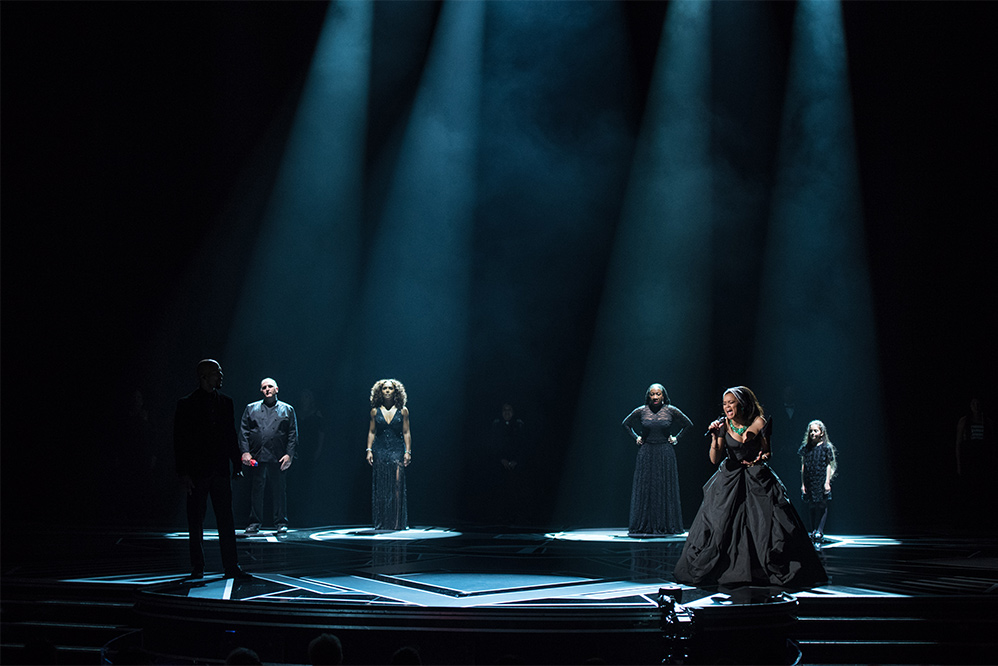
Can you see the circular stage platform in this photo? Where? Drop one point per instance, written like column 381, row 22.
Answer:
column 477, row 595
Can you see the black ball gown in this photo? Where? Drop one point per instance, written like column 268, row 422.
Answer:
column 747, row 532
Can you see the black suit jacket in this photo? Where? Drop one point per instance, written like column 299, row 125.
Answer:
column 204, row 435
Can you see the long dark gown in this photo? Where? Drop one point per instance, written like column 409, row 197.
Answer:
column 655, row 504
column 747, row 532
column 388, row 499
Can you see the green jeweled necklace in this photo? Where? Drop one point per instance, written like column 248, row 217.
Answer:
column 737, row 430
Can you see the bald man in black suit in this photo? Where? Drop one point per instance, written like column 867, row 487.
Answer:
column 207, row 455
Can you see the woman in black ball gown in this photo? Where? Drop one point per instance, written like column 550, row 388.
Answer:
column 746, row 532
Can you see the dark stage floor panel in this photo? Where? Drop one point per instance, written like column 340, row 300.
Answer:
column 472, row 595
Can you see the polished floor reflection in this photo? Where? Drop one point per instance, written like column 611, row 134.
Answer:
column 469, row 594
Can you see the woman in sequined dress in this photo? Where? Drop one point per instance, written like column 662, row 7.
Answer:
column 655, row 427
column 389, row 452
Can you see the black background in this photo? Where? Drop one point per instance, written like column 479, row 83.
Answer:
column 125, row 127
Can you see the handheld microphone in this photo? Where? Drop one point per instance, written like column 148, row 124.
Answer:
column 720, row 418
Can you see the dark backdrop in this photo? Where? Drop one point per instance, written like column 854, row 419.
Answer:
column 130, row 132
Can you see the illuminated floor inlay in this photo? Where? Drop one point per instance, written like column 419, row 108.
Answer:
column 611, row 534
column 368, row 534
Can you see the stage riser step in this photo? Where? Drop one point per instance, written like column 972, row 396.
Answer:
column 65, row 656
column 893, row 652
column 61, row 634
column 32, row 589
column 62, row 610
column 375, row 646
column 928, row 608
column 960, row 629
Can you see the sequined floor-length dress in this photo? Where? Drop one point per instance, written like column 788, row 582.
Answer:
column 388, row 497
column 655, row 503
column 746, row 531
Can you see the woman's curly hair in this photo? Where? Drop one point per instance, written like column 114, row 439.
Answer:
column 377, row 400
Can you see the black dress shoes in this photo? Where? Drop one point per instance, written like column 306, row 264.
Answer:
column 237, row 574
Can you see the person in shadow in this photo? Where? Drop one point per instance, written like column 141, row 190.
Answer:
column 507, row 453
column 789, row 419
column 242, row 655
column 325, row 650
column 207, row 454
column 406, row 655
column 307, row 485
column 976, row 457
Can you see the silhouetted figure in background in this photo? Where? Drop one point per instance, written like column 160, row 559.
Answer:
column 406, row 655
column 976, row 457
column 139, row 436
column 268, row 435
column 655, row 427
column 314, row 466
column 507, row 453
column 789, row 419
column 789, row 408
column 133, row 462
column 325, row 650
column 243, row 656
column 818, row 465
column 206, row 452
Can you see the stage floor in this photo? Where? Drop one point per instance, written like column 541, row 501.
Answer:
column 473, row 595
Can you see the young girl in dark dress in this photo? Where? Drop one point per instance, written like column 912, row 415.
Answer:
column 818, row 465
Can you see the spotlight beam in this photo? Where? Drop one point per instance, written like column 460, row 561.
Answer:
column 654, row 308
column 816, row 326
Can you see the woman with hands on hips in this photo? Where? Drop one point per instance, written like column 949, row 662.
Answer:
column 655, row 427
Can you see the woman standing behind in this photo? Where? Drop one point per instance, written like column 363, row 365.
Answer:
column 975, row 443
column 976, row 455
column 655, row 507
column 389, row 452
column 818, row 465
column 746, row 532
